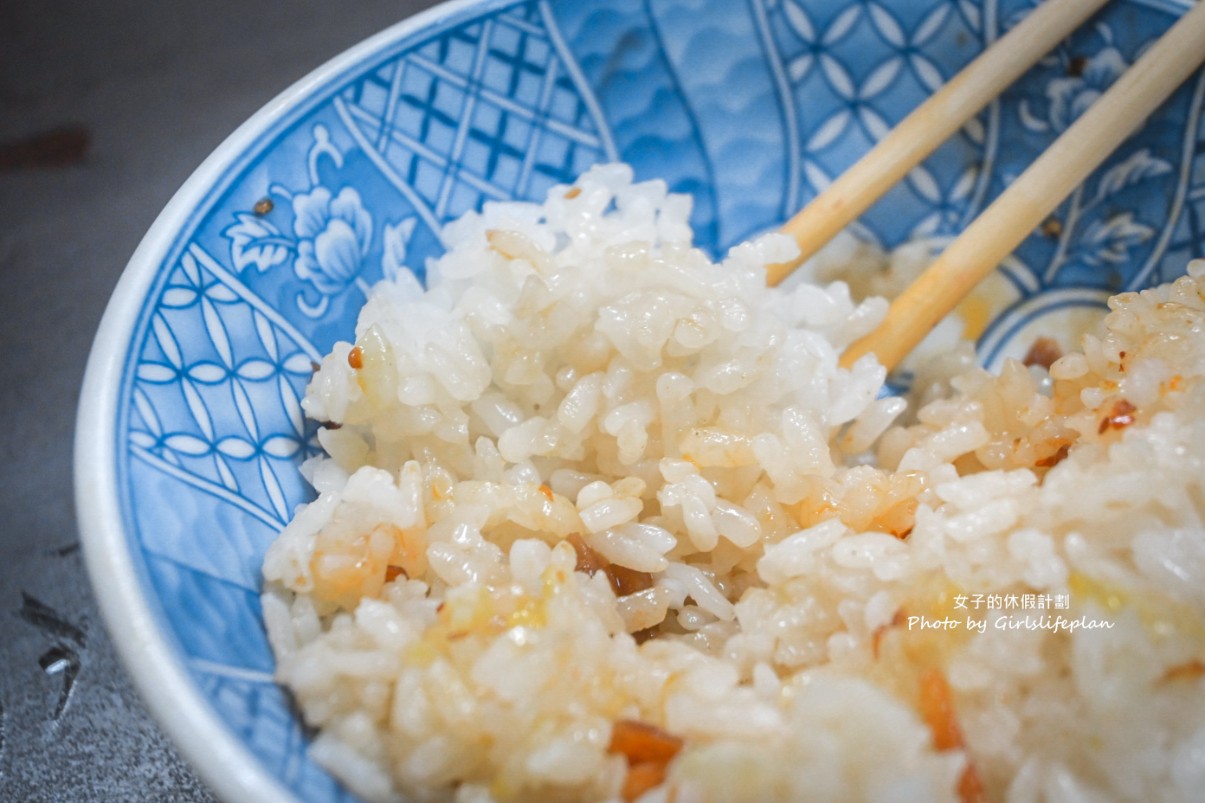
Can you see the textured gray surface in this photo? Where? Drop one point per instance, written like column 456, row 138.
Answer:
column 152, row 87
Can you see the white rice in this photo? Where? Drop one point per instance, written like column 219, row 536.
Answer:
column 585, row 430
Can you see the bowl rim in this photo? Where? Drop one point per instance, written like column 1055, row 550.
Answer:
column 203, row 739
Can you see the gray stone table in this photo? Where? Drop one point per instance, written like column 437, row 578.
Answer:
column 105, row 109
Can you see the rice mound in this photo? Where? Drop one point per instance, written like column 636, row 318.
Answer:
column 601, row 519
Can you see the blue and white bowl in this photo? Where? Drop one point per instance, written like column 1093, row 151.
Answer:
column 190, row 434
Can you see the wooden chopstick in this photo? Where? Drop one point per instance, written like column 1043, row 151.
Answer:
column 1033, row 195
column 929, row 125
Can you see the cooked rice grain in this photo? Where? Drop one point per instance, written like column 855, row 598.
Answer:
column 581, row 400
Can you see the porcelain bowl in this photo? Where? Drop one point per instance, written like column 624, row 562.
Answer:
column 190, row 433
